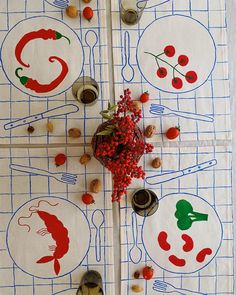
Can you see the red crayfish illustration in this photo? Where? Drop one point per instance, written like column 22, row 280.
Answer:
column 57, row 230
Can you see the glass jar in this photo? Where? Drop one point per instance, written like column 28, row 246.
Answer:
column 145, row 202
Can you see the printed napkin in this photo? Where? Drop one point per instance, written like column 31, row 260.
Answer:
column 48, row 236
column 178, row 53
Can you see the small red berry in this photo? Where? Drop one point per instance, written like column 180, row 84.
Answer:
column 88, row 199
column 162, row 72
column 88, row 13
column 177, row 83
column 169, row 50
column 144, row 97
column 173, row 132
column 60, row 159
column 191, row 77
column 183, row 60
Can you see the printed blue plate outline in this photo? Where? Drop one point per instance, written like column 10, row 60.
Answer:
column 135, row 253
column 127, row 71
column 161, row 286
column 91, row 35
column 161, row 110
column 58, row 3
column 55, row 112
column 167, row 16
column 56, row 198
column 165, row 177
column 221, row 228
column 63, row 177
column 158, row 3
column 57, row 20
column 98, row 219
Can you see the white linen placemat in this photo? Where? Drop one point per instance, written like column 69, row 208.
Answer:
column 196, row 29
column 43, row 216
column 162, row 241
column 82, row 52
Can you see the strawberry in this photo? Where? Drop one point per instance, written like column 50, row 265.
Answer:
column 88, row 13
column 144, row 97
column 60, row 159
column 173, row 132
column 148, row 272
column 88, row 199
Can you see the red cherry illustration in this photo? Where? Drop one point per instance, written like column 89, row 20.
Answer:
column 162, row 72
column 177, row 83
column 191, row 77
column 183, row 60
column 169, row 50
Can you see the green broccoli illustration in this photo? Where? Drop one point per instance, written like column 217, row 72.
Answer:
column 186, row 216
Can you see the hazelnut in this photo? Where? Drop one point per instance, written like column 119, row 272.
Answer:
column 137, row 274
column 74, row 132
column 86, row 1
column 156, row 163
column 137, row 105
column 150, row 131
column 30, row 129
column 72, row 11
column 50, row 127
column 84, row 159
column 137, row 288
column 95, row 186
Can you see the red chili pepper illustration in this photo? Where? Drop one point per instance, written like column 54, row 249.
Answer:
column 41, row 34
column 42, row 88
column 59, row 234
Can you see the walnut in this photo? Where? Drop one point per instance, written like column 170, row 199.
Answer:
column 156, row 163
column 84, row 159
column 95, row 186
column 74, row 132
column 137, row 105
column 150, row 131
column 137, row 288
column 72, row 11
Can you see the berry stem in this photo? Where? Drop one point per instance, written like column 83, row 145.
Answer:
column 166, row 62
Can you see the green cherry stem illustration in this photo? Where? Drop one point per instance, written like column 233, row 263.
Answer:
column 157, row 57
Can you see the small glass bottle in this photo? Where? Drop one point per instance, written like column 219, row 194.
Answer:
column 132, row 10
column 85, row 90
column 145, row 202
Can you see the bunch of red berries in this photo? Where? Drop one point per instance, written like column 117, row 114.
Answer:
column 119, row 144
column 183, row 60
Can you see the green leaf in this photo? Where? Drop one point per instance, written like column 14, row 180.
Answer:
column 104, row 112
column 105, row 116
column 105, row 132
column 113, row 108
column 109, row 105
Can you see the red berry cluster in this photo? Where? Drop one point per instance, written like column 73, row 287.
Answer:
column 121, row 151
column 183, row 60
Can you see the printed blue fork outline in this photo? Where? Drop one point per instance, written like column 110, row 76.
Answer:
column 182, row 114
